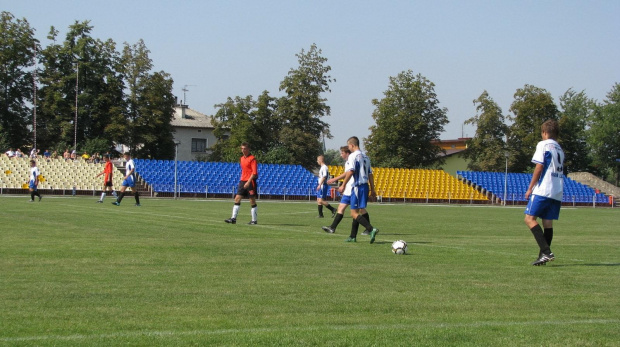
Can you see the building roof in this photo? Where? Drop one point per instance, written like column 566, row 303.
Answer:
column 188, row 118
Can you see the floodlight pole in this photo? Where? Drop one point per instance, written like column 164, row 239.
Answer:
column 176, row 152
column 505, row 180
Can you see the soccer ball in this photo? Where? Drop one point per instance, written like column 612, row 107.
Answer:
column 399, row 247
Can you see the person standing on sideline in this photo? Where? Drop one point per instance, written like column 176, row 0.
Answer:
column 346, row 195
column 107, row 178
column 322, row 189
column 363, row 185
column 247, row 185
column 545, row 191
column 33, row 182
column 129, row 181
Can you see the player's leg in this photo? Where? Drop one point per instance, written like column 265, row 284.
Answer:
column 136, row 195
column 548, row 230
column 121, row 195
column 339, row 215
column 103, row 190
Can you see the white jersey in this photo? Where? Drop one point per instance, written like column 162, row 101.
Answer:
column 349, row 187
column 34, row 173
column 129, row 167
column 359, row 163
column 323, row 172
column 551, row 183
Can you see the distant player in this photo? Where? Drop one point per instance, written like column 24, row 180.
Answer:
column 346, row 195
column 129, row 181
column 107, row 172
column 247, row 185
column 363, row 186
column 322, row 189
column 545, row 191
column 33, row 181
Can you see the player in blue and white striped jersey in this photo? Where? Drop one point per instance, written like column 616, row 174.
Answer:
column 360, row 172
column 129, row 181
column 33, row 181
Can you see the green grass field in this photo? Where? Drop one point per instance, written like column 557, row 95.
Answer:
column 172, row 273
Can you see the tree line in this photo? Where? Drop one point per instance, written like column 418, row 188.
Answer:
column 116, row 98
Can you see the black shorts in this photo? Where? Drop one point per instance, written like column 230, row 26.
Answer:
column 250, row 192
column 107, row 184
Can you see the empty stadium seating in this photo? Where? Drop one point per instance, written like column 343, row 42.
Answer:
column 222, row 178
column 57, row 174
column 418, row 184
column 517, row 184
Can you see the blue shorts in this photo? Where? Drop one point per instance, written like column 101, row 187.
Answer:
column 31, row 185
column 359, row 197
column 346, row 199
column 543, row 207
column 129, row 183
column 323, row 192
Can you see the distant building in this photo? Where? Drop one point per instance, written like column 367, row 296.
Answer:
column 194, row 133
column 454, row 149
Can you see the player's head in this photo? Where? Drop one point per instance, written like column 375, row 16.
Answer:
column 354, row 143
column 106, row 158
column 551, row 128
column 127, row 155
column 33, row 162
column 320, row 159
column 245, row 149
column 344, row 152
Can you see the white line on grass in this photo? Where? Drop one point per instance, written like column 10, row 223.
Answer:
column 206, row 332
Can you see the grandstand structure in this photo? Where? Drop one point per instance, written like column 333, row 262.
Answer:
column 57, row 174
column 517, row 184
column 217, row 179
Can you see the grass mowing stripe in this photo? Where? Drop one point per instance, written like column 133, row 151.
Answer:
column 310, row 328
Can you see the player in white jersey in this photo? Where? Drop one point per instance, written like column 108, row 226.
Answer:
column 33, row 181
column 129, row 181
column 363, row 185
column 322, row 189
column 545, row 191
column 346, row 195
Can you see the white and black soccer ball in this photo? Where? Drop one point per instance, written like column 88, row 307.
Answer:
column 399, row 247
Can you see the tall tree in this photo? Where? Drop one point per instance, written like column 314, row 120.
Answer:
column 80, row 76
column 17, row 53
column 486, row 150
column 577, row 109
column 604, row 135
column 531, row 107
column 407, row 119
column 301, row 109
column 146, row 128
column 233, row 126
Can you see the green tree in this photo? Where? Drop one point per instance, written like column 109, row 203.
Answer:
column 145, row 125
column 17, row 60
column 233, row 126
column 604, row 134
column 486, row 150
column 407, row 119
column 84, row 68
column 532, row 107
column 301, row 109
column 576, row 112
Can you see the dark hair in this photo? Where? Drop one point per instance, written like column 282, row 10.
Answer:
column 345, row 149
column 551, row 127
column 354, row 141
column 245, row 144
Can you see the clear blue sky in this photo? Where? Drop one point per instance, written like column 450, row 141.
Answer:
column 238, row 48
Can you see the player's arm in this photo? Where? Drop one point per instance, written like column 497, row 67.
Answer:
column 334, row 179
column 347, row 177
column 371, row 184
column 130, row 172
column 254, row 174
column 535, row 177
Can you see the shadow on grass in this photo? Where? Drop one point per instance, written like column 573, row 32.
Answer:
column 600, row 264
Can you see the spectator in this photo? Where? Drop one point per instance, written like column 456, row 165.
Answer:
column 47, row 154
column 34, row 153
column 10, row 153
column 73, row 155
column 66, row 155
column 19, row 153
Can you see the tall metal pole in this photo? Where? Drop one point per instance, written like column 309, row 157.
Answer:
column 176, row 152
column 505, row 180
column 77, row 76
column 34, row 99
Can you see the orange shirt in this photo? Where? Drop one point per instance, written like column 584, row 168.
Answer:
column 107, row 172
column 248, row 167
